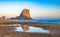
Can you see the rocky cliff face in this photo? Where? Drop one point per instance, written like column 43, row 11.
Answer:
column 25, row 15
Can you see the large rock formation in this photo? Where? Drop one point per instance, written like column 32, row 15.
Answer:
column 25, row 15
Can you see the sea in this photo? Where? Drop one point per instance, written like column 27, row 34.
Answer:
column 40, row 21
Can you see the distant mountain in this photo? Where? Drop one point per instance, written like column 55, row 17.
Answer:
column 25, row 15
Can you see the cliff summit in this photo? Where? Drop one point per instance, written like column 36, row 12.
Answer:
column 25, row 15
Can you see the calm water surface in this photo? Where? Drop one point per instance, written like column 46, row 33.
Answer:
column 32, row 29
column 19, row 28
column 40, row 21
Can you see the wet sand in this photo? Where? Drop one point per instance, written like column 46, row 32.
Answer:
column 25, row 34
column 8, row 31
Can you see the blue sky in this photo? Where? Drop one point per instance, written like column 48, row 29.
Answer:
column 38, row 8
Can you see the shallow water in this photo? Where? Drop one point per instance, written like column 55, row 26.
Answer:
column 15, row 28
column 32, row 29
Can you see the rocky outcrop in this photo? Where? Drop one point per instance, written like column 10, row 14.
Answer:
column 25, row 15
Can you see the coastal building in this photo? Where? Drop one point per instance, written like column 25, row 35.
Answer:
column 3, row 18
